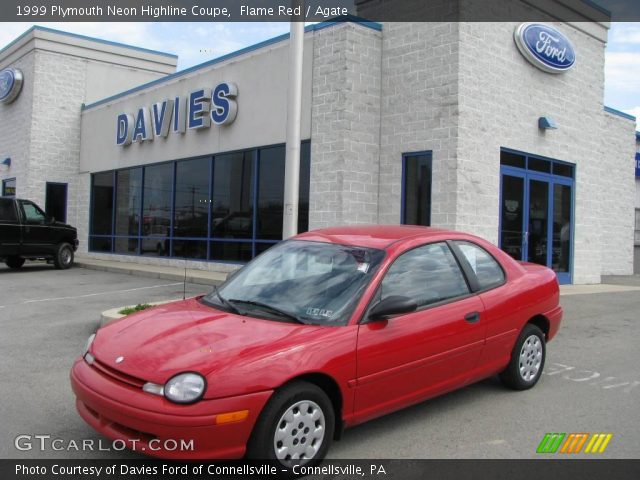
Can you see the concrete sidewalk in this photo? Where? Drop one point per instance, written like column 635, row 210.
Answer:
column 200, row 277
column 610, row 284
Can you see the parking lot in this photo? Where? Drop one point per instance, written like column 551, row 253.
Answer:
column 591, row 382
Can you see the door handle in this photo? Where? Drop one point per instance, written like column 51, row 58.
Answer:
column 472, row 317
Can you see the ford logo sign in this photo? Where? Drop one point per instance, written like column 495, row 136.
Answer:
column 10, row 84
column 545, row 47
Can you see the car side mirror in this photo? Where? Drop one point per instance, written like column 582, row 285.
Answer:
column 393, row 305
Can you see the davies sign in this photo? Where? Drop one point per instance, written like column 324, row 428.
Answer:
column 545, row 47
column 195, row 111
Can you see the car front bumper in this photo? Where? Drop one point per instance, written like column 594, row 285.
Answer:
column 152, row 425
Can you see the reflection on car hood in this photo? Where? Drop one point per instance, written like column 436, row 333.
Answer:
column 188, row 336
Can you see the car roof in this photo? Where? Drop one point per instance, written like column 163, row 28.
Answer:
column 374, row 236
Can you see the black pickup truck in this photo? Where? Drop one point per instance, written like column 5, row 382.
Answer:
column 27, row 233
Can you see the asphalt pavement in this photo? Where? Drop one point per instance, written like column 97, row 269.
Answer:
column 591, row 382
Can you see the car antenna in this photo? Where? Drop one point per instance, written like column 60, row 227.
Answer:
column 184, row 281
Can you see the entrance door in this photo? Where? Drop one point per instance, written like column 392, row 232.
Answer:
column 56, row 201
column 536, row 223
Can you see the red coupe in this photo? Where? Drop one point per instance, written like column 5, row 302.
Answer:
column 321, row 332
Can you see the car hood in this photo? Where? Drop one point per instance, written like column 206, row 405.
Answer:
column 63, row 225
column 188, row 336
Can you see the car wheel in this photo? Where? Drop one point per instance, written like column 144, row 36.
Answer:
column 64, row 257
column 527, row 359
column 14, row 262
column 295, row 427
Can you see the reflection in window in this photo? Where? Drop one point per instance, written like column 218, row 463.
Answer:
column 156, row 214
column 171, row 217
column 191, row 211
column 102, row 203
column 128, row 198
column 417, row 190
column 486, row 268
column 427, row 274
column 270, row 193
column 232, row 202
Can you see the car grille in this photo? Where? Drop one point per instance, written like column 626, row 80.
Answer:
column 114, row 374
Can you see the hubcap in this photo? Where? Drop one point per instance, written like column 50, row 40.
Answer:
column 299, row 433
column 65, row 256
column 530, row 358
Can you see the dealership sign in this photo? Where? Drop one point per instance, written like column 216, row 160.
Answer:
column 195, row 111
column 545, row 47
column 10, row 84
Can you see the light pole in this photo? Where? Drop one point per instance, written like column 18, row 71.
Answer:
column 294, row 107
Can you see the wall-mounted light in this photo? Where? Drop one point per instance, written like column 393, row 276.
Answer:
column 5, row 164
column 547, row 123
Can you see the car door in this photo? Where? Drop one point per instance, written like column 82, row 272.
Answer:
column 35, row 233
column 413, row 356
column 9, row 228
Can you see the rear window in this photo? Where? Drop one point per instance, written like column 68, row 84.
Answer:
column 486, row 268
column 7, row 211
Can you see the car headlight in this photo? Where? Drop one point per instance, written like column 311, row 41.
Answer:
column 87, row 345
column 185, row 388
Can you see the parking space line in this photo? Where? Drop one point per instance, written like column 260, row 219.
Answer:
column 100, row 293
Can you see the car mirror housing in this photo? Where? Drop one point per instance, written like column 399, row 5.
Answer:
column 393, row 305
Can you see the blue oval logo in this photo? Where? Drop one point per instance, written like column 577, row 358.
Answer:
column 545, row 47
column 10, row 84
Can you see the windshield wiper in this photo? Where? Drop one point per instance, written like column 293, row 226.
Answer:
column 271, row 309
column 225, row 302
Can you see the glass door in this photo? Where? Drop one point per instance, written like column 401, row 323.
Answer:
column 536, row 219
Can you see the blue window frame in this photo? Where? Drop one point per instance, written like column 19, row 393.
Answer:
column 537, row 210
column 226, row 207
column 415, row 204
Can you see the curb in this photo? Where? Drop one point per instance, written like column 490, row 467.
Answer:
column 112, row 314
column 204, row 278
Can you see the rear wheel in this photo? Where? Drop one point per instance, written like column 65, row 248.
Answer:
column 14, row 262
column 295, row 427
column 64, row 257
column 527, row 359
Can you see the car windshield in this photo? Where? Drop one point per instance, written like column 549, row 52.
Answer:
column 300, row 281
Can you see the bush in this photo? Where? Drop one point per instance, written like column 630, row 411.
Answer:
column 137, row 308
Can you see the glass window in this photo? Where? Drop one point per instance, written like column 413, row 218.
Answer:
column 270, row 193
column 9, row 187
column 512, row 159
column 100, row 244
column 7, row 211
column 32, row 212
column 156, row 205
column 231, row 251
column 191, row 212
column 101, row 203
column 563, row 169
column 189, row 249
column 426, row 274
column 56, row 201
column 539, row 165
column 486, row 268
column 417, row 190
column 128, row 198
column 305, row 182
column 232, row 199
column 317, row 283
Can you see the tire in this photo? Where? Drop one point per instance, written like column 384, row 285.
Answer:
column 14, row 262
column 63, row 258
column 527, row 359
column 276, row 424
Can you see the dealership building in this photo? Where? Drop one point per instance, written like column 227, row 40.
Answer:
column 454, row 125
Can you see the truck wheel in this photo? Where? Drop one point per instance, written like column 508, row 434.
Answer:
column 14, row 262
column 64, row 256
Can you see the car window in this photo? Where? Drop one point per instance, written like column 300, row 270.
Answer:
column 32, row 212
column 486, row 267
column 7, row 212
column 426, row 274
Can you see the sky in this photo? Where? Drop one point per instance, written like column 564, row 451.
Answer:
column 195, row 43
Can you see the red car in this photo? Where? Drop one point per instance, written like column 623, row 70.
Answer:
column 321, row 332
